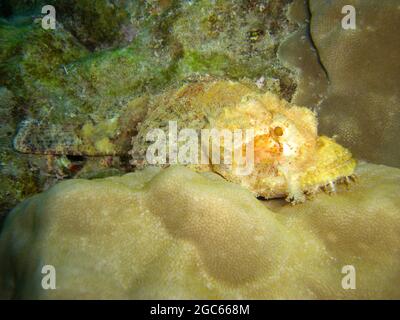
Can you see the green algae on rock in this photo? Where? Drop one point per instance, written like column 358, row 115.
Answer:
column 235, row 39
column 96, row 24
column 17, row 181
column 211, row 239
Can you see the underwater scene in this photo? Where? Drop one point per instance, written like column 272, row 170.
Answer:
column 200, row 149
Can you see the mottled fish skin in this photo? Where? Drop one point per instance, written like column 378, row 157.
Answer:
column 36, row 137
column 107, row 137
column 290, row 159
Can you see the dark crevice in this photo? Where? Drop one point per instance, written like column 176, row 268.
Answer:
column 5, row 10
column 313, row 43
column 76, row 158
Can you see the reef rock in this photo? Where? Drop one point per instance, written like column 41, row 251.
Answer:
column 174, row 233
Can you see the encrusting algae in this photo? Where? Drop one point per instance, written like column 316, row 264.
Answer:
column 290, row 159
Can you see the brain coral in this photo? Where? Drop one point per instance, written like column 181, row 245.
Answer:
column 144, row 235
column 360, row 102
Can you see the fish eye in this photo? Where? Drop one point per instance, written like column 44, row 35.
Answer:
column 278, row 131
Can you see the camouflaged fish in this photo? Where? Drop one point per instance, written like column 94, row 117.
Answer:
column 290, row 159
column 106, row 137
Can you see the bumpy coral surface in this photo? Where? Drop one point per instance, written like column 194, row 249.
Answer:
column 202, row 237
column 351, row 76
column 288, row 158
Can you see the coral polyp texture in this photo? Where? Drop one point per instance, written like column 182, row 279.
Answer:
column 289, row 158
column 203, row 237
column 350, row 76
